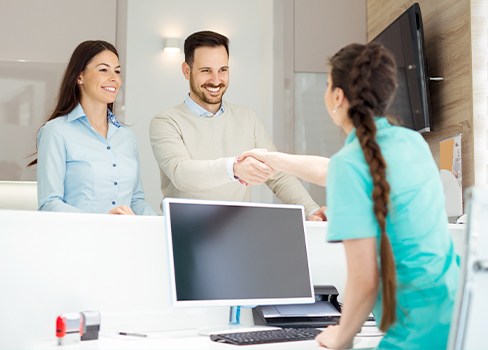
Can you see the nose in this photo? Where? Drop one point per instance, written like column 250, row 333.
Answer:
column 115, row 77
column 215, row 78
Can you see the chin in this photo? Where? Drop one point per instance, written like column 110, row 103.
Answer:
column 109, row 100
column 214, row 100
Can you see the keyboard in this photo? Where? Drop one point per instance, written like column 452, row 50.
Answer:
column 267, row 336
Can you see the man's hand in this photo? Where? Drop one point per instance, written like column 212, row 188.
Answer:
column 251, row 171
column 318, row 215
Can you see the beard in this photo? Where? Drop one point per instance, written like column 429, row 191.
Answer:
column 203, row 95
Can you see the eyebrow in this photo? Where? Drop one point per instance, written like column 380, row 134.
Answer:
column 200, row 68
column 105, row 64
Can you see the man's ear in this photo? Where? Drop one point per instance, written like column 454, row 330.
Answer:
column 185, row 68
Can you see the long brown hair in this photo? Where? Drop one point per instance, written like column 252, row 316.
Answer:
column 69, row 94
column 367, row 75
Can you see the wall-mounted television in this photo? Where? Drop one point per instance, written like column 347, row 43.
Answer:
column 404, row 37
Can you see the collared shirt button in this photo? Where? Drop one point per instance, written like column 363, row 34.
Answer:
column 108, row 148
column 116, row 183
column 113, row 202
column 114, row 165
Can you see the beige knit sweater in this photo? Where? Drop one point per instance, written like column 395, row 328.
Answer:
column 192, row 153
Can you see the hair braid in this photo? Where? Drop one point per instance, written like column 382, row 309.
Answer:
column 367, row 74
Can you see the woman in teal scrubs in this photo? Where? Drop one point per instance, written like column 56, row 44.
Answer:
column 386, row 204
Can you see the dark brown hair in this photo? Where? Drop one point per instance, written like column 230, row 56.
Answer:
column 367, row 75
column 204, row 38
column 69, row 93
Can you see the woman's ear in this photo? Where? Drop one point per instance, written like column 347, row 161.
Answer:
column 338, row 97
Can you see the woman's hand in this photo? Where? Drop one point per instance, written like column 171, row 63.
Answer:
column 121, row 210
column 257, row 153
column 330, row 338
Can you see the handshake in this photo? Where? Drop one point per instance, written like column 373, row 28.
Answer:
column 253, row 167
column 256, row 166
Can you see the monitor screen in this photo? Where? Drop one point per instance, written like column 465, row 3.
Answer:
column 234, row 253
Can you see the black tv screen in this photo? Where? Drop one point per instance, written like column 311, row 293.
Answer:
column 405, row 39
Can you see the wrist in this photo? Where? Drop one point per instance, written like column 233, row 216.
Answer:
column 313, row 212
column 234, row 169
column 231, row 169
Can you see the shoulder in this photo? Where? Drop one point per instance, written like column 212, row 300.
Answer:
column 127, row 131
column 173, row 112
column 173, row 115
column 243, row 118
column 55, row 126
column 401, row 139
column 351, row 153
column 238, row 110
column 405, row 132
column 348, row 164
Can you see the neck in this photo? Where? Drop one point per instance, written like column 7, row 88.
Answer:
column 97, row 116
column 210, row 107
column 348, row 128
column 346, row 124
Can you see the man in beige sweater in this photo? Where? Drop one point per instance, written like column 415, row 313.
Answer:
column 196, row 143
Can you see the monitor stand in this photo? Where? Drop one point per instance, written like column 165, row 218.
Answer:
column 234, row 325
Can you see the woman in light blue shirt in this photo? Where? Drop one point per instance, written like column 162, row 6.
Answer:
column 386, row 204
column 87, row 160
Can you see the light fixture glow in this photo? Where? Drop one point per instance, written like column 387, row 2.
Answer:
column 171, row 45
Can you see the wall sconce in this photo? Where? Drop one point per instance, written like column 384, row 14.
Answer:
column 172, row 45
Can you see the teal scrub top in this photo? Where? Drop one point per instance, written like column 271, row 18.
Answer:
column 427, row 266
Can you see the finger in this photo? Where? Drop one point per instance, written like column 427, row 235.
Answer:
column 314, row 217
column 127, row 210
column 241, row 157
column 246, row 154
column 116, row 211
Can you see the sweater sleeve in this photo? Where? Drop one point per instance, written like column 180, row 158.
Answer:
column 286, row 187
column 173, row 158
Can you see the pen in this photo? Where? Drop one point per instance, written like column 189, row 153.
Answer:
column 129, row 334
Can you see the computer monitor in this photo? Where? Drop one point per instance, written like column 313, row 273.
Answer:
column 236, row 253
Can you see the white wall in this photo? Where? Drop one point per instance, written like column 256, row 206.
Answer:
column 154, row 82
column 36, row 42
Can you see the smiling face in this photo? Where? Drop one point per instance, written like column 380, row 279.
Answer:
column 100, row 80
column 208, row 76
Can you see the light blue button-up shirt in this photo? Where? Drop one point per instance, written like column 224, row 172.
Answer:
column 200, row 111
column 78, row 170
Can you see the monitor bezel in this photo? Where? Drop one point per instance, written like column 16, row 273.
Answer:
column 230, row 302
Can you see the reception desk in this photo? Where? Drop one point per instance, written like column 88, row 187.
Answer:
column 51, row 263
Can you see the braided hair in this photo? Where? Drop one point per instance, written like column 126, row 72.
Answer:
column 367, row 75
